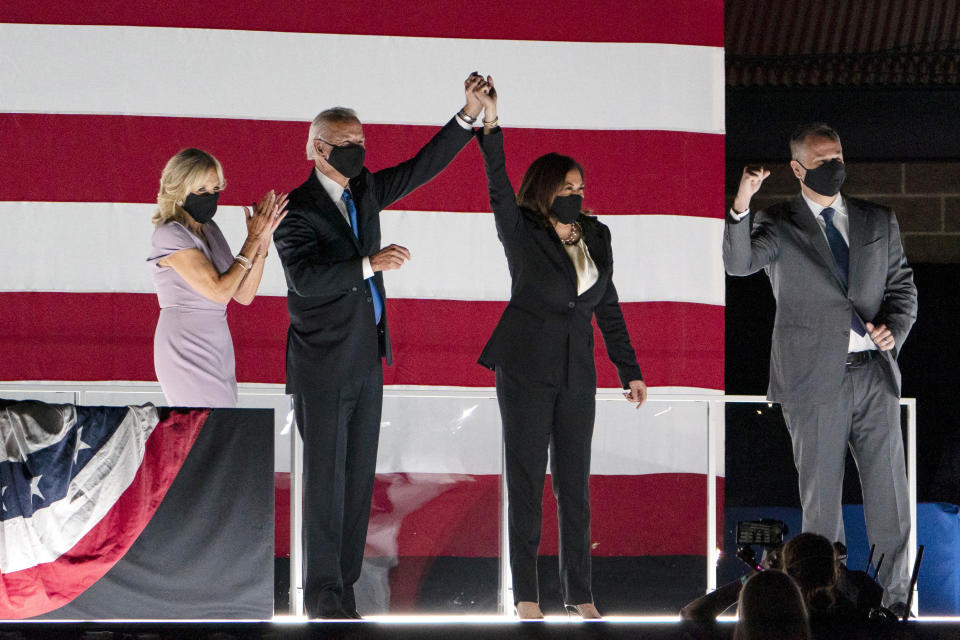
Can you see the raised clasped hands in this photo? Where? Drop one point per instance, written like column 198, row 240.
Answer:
column 481, row 96
column 881, row 336
column 637, row 392
column 750, row 181
column 473, row 107
column 265, row 218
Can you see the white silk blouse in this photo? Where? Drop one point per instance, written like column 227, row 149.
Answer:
column 587, row 273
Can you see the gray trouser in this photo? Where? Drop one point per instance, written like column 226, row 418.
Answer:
column 865, row 416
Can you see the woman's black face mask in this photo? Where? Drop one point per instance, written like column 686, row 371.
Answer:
column 567, row 208
column 201, row 206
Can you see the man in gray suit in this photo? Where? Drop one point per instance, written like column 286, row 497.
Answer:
column 845, row 304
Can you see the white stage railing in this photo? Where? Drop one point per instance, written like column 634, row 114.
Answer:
column 273, row 396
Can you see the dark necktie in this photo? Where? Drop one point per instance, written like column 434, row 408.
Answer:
column 841, row 255
column 352, row 210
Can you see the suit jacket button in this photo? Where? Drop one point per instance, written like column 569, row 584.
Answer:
column 369, row 299
column 571, row 305
column 353, row 289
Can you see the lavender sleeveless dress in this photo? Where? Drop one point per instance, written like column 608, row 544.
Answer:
column 192, row 347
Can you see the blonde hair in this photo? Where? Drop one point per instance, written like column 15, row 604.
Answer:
column 183, row 173
column 319, row 125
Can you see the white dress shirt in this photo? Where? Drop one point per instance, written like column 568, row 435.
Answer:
column 335, row 191
column 842, row 222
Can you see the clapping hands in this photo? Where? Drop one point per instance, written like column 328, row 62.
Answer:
column 266, row 216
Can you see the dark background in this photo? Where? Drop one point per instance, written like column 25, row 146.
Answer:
column 886, row 75
column 880, row 128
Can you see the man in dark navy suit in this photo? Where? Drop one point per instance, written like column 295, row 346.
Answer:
column 332, row 257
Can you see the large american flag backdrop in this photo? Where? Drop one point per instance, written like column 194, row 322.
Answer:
column 96, row 96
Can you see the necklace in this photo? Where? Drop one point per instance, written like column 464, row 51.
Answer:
column 575, row 233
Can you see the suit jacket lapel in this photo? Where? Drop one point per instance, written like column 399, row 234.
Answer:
column 858, row 234
column 550, row 244
column 804, row 219
column 564, row 258
column 328, row 207
column 595, row 246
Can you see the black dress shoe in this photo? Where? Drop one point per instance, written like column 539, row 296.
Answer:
column 330, row 614
column 899, row 609
column 353, row 615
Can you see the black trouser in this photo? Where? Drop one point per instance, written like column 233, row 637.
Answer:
column 340, row 429
column 537, row 415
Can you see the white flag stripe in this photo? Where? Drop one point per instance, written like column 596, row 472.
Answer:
column 55, row 529
column 102, row 247
column 21, row 433
column 407, row 80
column 463, row 436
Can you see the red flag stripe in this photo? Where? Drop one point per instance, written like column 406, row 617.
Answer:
column 692, row 22
column 443, row 515
column 109, row 336
column 109, row 158
column 105, row 544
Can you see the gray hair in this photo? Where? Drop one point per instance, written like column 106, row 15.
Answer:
column 804, row 131
column 318, row 126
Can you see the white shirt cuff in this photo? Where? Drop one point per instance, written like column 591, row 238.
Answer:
column 367, row 269
column 463, row 123
column 739, row 216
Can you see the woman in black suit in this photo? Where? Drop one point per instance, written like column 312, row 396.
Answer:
column 561, row 268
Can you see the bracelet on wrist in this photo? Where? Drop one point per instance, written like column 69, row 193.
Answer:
column 468, row 119
column 243, row 261
column 492, row 123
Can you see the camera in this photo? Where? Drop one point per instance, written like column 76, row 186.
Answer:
column 765, row 532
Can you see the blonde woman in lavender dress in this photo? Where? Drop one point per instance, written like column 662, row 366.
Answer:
column 196, row 275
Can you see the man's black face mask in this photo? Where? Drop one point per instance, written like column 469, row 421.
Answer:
column 347, row 159
column 827, row 178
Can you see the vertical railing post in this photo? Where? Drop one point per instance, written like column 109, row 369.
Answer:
column 715, row 410
column 911, row 404
column 296, row 516
column 506, row 578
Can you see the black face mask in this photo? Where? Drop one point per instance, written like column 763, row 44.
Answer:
column 347, row 159
column 201, row 206
column 567, row 208
column 827, row 178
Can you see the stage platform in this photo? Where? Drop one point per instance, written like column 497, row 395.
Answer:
column 413, row 627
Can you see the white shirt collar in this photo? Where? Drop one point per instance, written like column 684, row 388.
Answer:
column 838, row 205
column 334, row 190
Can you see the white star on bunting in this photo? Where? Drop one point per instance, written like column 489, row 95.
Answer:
column 81, row 445
column 35, row 487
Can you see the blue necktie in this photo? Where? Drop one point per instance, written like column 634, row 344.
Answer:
column 841, row 255
column 352, row 210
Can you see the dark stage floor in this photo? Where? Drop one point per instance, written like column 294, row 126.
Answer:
column 421, row 628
